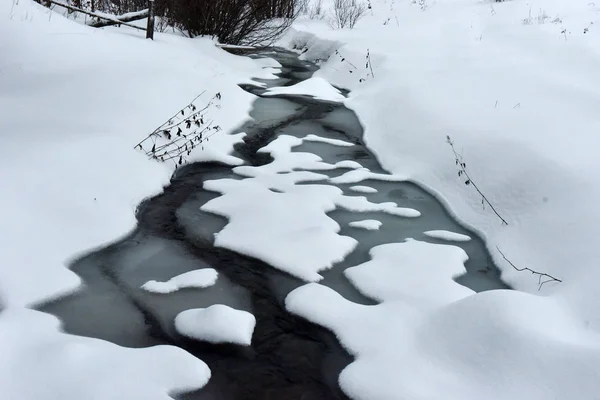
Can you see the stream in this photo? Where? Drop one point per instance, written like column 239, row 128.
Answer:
column 290, row 358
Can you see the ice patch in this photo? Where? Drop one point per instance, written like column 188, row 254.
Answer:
column 447, row 235
column 368, row 224
column 321, row 139
column 217, row 324
column 199, row 278
column 363, row 189
column 315, row 87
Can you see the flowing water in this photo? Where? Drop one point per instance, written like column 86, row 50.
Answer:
column 290, row 358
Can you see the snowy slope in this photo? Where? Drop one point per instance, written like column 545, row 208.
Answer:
column 73, row 103
column 515, row 85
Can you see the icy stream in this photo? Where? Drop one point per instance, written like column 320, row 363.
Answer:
column 289, row 358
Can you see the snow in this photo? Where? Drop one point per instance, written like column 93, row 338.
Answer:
column 321, row 139
column 217, row 324
column 199, row 278
column 40, row 362
column 315, row 87
column 515, row 85
column 447, row 235
column 358, row 175
column 368, row 224
column 433, row 338
column 349, row 164
column 363, row 189
column 74, row 101
column 296, row 234
column 361, row 204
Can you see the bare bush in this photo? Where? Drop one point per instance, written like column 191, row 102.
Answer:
column 346, row 13
column 315, row 10
column 240, row 22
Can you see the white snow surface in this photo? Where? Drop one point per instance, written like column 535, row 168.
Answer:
column 40, row 362
column 432, row 338
column 74, row 101
column 363, row 189
column 200, row 278
column 217, row 324
column 316, row 87
column 335, row 142
column 515, row 85
column 368, row 224
column 296, row 235
column 447, row 235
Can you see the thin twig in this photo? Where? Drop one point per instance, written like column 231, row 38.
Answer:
column 370, row 64
column 463, row 171
column 160, row 128
column 541, row 275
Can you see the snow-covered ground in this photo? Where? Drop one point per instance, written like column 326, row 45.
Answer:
column 515, row 85
column 74, row 101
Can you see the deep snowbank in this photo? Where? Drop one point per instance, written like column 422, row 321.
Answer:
column 73, row 103
column 515, row 85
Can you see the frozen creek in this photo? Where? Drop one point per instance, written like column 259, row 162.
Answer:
column 290, row 358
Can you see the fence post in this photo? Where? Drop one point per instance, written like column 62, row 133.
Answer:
column 150, row 26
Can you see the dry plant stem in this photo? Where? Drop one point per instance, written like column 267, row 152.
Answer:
column 542, row 277
column 162, row 126
column 461, row 165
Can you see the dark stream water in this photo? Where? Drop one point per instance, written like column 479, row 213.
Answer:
column 290, row 358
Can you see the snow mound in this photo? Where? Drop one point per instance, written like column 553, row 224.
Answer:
column 368, row 224
column 358, row 175
column 363, row 189
column 40, row 362
column 295, row 236
column 200, row 278
column 315, row 87
column 447, row 235
column 349, row 164
column 321, row 139
column 361, row 204
column 414, row 270
column 217, row 324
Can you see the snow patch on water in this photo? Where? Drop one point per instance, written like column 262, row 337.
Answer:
column 217, row 324
column 321, row 139
column 199, row 278
column 368, row 224
column 315, row 87
column 447, row 235
column 363, row 189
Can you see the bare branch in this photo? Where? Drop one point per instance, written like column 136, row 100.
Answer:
column 542, row 277
column 463, row 171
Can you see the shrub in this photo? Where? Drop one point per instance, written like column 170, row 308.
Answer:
column 346, row 13
column 239, row 22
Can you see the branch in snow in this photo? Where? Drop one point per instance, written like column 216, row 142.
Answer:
column 542, row 277
column 187, row 129
column 462, row 171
